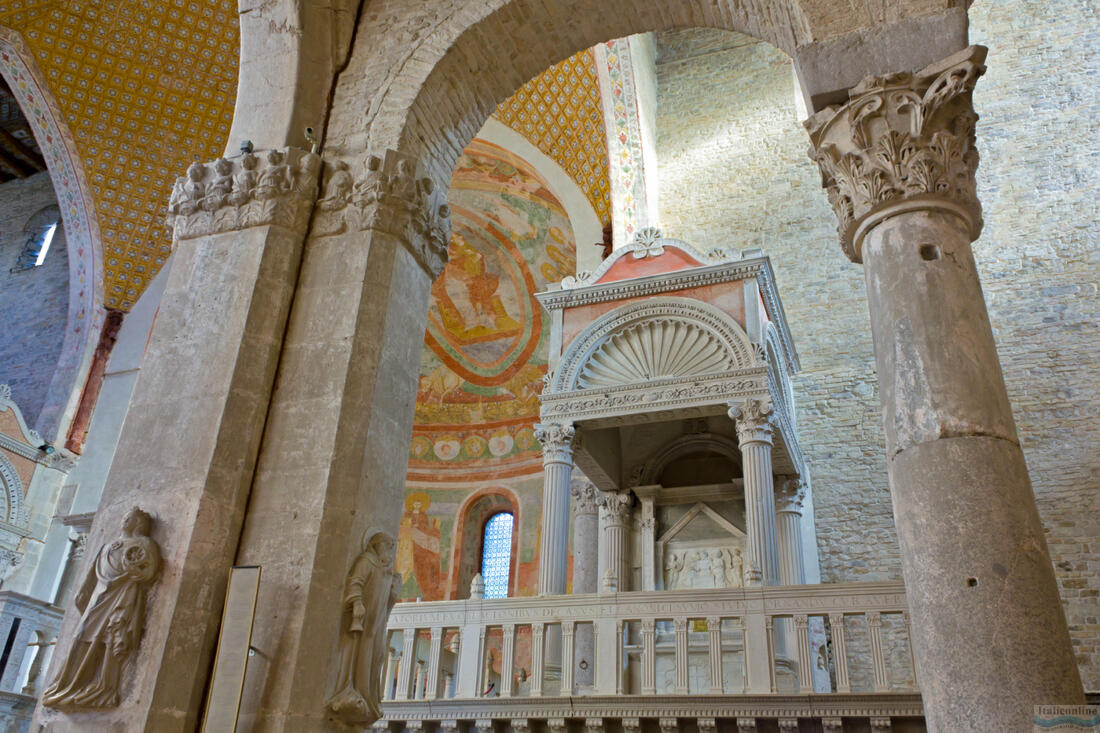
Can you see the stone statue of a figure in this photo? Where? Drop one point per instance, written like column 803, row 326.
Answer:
column 111, row 623
column 370, row 591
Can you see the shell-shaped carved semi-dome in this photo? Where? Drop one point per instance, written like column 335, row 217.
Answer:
column 655, row 349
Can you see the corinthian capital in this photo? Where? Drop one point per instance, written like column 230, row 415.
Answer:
column 903, row 142
column 790, row 492
column 754, row 420
column 617, row 505
column 388, row 197
column 556, row 440
column 586, row 497
column 273, row 188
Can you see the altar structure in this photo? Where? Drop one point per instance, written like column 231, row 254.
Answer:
column 673, row 470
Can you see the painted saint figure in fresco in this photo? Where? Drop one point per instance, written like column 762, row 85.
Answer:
column 469, row 299
column 418, row 546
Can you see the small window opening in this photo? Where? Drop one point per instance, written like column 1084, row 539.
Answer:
column 40, row 233
column 496, row 555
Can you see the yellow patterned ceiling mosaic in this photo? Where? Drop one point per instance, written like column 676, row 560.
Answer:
column 560, row 112
column 145, row 87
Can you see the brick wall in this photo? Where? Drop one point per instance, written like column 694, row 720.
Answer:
column 33, row 303
column 734, row 171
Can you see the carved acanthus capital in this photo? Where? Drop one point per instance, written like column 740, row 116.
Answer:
column 273, row 188
column 586, row 497
column 616, row 505
column 387, row 197
column 903, row 142
column 556, row 440
column 753, row 418
column 790, row 492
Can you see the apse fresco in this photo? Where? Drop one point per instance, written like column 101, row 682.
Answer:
column 484, row 359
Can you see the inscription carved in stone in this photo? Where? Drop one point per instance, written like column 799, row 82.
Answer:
column 112, row 602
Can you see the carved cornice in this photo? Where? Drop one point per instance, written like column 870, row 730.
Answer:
column 586, row 497
column 556, row 440
column 903, row 142
column 790, row 492
column 754, row 420
column 273, row 188
column 387, row 197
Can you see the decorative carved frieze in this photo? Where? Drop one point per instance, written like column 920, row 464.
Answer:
column 881, row 725
column 556, row 440
column 112, row 605
column 754, row 420
column 790, row 492
column 387, row 197
column 746, row 725
column 274, row 188
column 902, row 142
column 586, row 497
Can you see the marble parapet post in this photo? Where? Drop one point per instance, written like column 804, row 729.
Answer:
column 585, row 571
column 557, row 462
column 898, row 162
column 615, row 519
column 789, row 494
column 754, row 431
column 188, row 449
column 332, row 465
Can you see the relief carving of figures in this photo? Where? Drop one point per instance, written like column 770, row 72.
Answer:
column 112, row 602
column 244, row 191
column 370, row 591
column 710, row 567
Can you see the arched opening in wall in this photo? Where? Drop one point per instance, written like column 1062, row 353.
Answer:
column 486, row 540
column 51, row 289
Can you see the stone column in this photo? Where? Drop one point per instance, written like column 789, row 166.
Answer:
column 788, row 516
column 585, row 571
column 615, row 565
column 335, row 450
column 647, row 527
column 754, row 431
column 188, row 448
column 990, row 639
column 557, row 463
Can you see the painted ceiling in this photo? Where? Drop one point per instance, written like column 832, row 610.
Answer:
column 145, row 87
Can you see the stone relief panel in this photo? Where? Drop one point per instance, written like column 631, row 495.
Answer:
column 112, row 601
column 703, row 567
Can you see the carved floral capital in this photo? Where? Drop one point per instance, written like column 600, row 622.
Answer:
column 790, row 492
column 586, row 497
column 387, row 196
column 754, row 418
column 616, row 505
column 556, row 440
column 903, row 142
column 271, row 188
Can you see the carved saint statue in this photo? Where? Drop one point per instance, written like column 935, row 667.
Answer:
column 111, row 624
column 370, row 591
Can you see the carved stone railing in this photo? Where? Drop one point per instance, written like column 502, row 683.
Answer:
column 447, row 659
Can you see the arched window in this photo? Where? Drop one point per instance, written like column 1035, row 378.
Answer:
column 496, row 554
column 39, row 234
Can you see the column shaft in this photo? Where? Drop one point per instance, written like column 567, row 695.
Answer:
column 585, row 573
column 557, row 462
column 615, row 564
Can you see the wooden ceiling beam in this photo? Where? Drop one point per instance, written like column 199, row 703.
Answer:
column 31, row 161
column 11, row 167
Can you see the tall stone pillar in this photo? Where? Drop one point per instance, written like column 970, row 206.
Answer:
column 188, row 449
column 557, row 464
column 585, row 571
column 754, row 431
column 615, row 563
column 788, row 516
column 335, row 450
column 990, row 639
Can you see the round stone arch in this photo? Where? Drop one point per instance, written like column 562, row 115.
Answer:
column 83, row 243
column 15, row 512
column 723, row 344
column 475, row 511
column 449, row 67
column 684, row 446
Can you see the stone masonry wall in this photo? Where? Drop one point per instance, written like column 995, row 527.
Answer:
column 733, row 171
column 33, row 303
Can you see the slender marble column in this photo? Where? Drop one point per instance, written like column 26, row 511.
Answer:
column 647, row 526
column 585, row 571
column 990, row 639
column 557, row 462
column 788, row 516
column 616, row 520
column 754, row 431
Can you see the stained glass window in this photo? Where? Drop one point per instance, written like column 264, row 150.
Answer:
column 496, row 555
